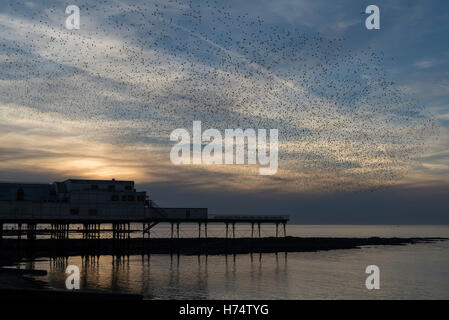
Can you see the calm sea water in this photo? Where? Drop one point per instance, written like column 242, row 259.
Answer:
column 419, row 271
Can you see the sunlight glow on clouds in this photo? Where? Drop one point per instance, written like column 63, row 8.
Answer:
column 101, row 102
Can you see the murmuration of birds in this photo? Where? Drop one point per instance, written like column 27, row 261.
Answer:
column 141, row 69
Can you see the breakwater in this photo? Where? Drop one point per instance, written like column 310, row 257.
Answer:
column 14, row 250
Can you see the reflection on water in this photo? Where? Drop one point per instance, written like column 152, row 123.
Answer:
column 411, row 271
column 171, row 276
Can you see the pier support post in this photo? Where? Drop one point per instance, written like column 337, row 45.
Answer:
column 31, row 231
column 252, row 230
column 285, row 229
column 19, row 229
column 177, row 230
column 199, row 230
column 85, row 230
column 205, row 230
column 171, row 230
column 233, row 230
column 277, row 229
column 1, row 230
column 227, row 229
column 119, row 230
column 258, row 225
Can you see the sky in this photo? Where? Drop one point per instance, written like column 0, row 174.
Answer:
column 363, row 115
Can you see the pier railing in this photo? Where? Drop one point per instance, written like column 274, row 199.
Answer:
column 250, row 218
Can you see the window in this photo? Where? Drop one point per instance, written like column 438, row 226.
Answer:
column 130, row 198
column 115, row 197
column 74, row 212
column 93, row 212
column 123, row 198
column 188, row 213
column 94, row 187
column 128, row 188
column 111, row 188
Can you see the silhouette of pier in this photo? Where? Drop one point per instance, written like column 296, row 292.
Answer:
column 121, row 229
column 53, row 209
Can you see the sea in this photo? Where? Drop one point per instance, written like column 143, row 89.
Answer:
column 414, row 271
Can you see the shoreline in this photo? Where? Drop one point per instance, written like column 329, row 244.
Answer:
column 13, row 250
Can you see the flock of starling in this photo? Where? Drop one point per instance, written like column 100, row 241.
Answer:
column 140, row 69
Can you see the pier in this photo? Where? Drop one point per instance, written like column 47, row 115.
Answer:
column 93, row 208
column 60, row 229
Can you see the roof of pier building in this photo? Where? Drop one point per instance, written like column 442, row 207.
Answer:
column 27, row 192
column 97, row 185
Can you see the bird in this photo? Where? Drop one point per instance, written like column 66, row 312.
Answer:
column 141, row 69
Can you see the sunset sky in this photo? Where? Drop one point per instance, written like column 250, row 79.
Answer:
column 363, row 115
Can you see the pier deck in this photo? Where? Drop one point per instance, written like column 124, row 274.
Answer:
column 121, row 227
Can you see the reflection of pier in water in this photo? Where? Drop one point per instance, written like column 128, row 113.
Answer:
column 168, row 275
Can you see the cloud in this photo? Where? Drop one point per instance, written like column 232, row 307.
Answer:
column 101, row 101
column 424, row 64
